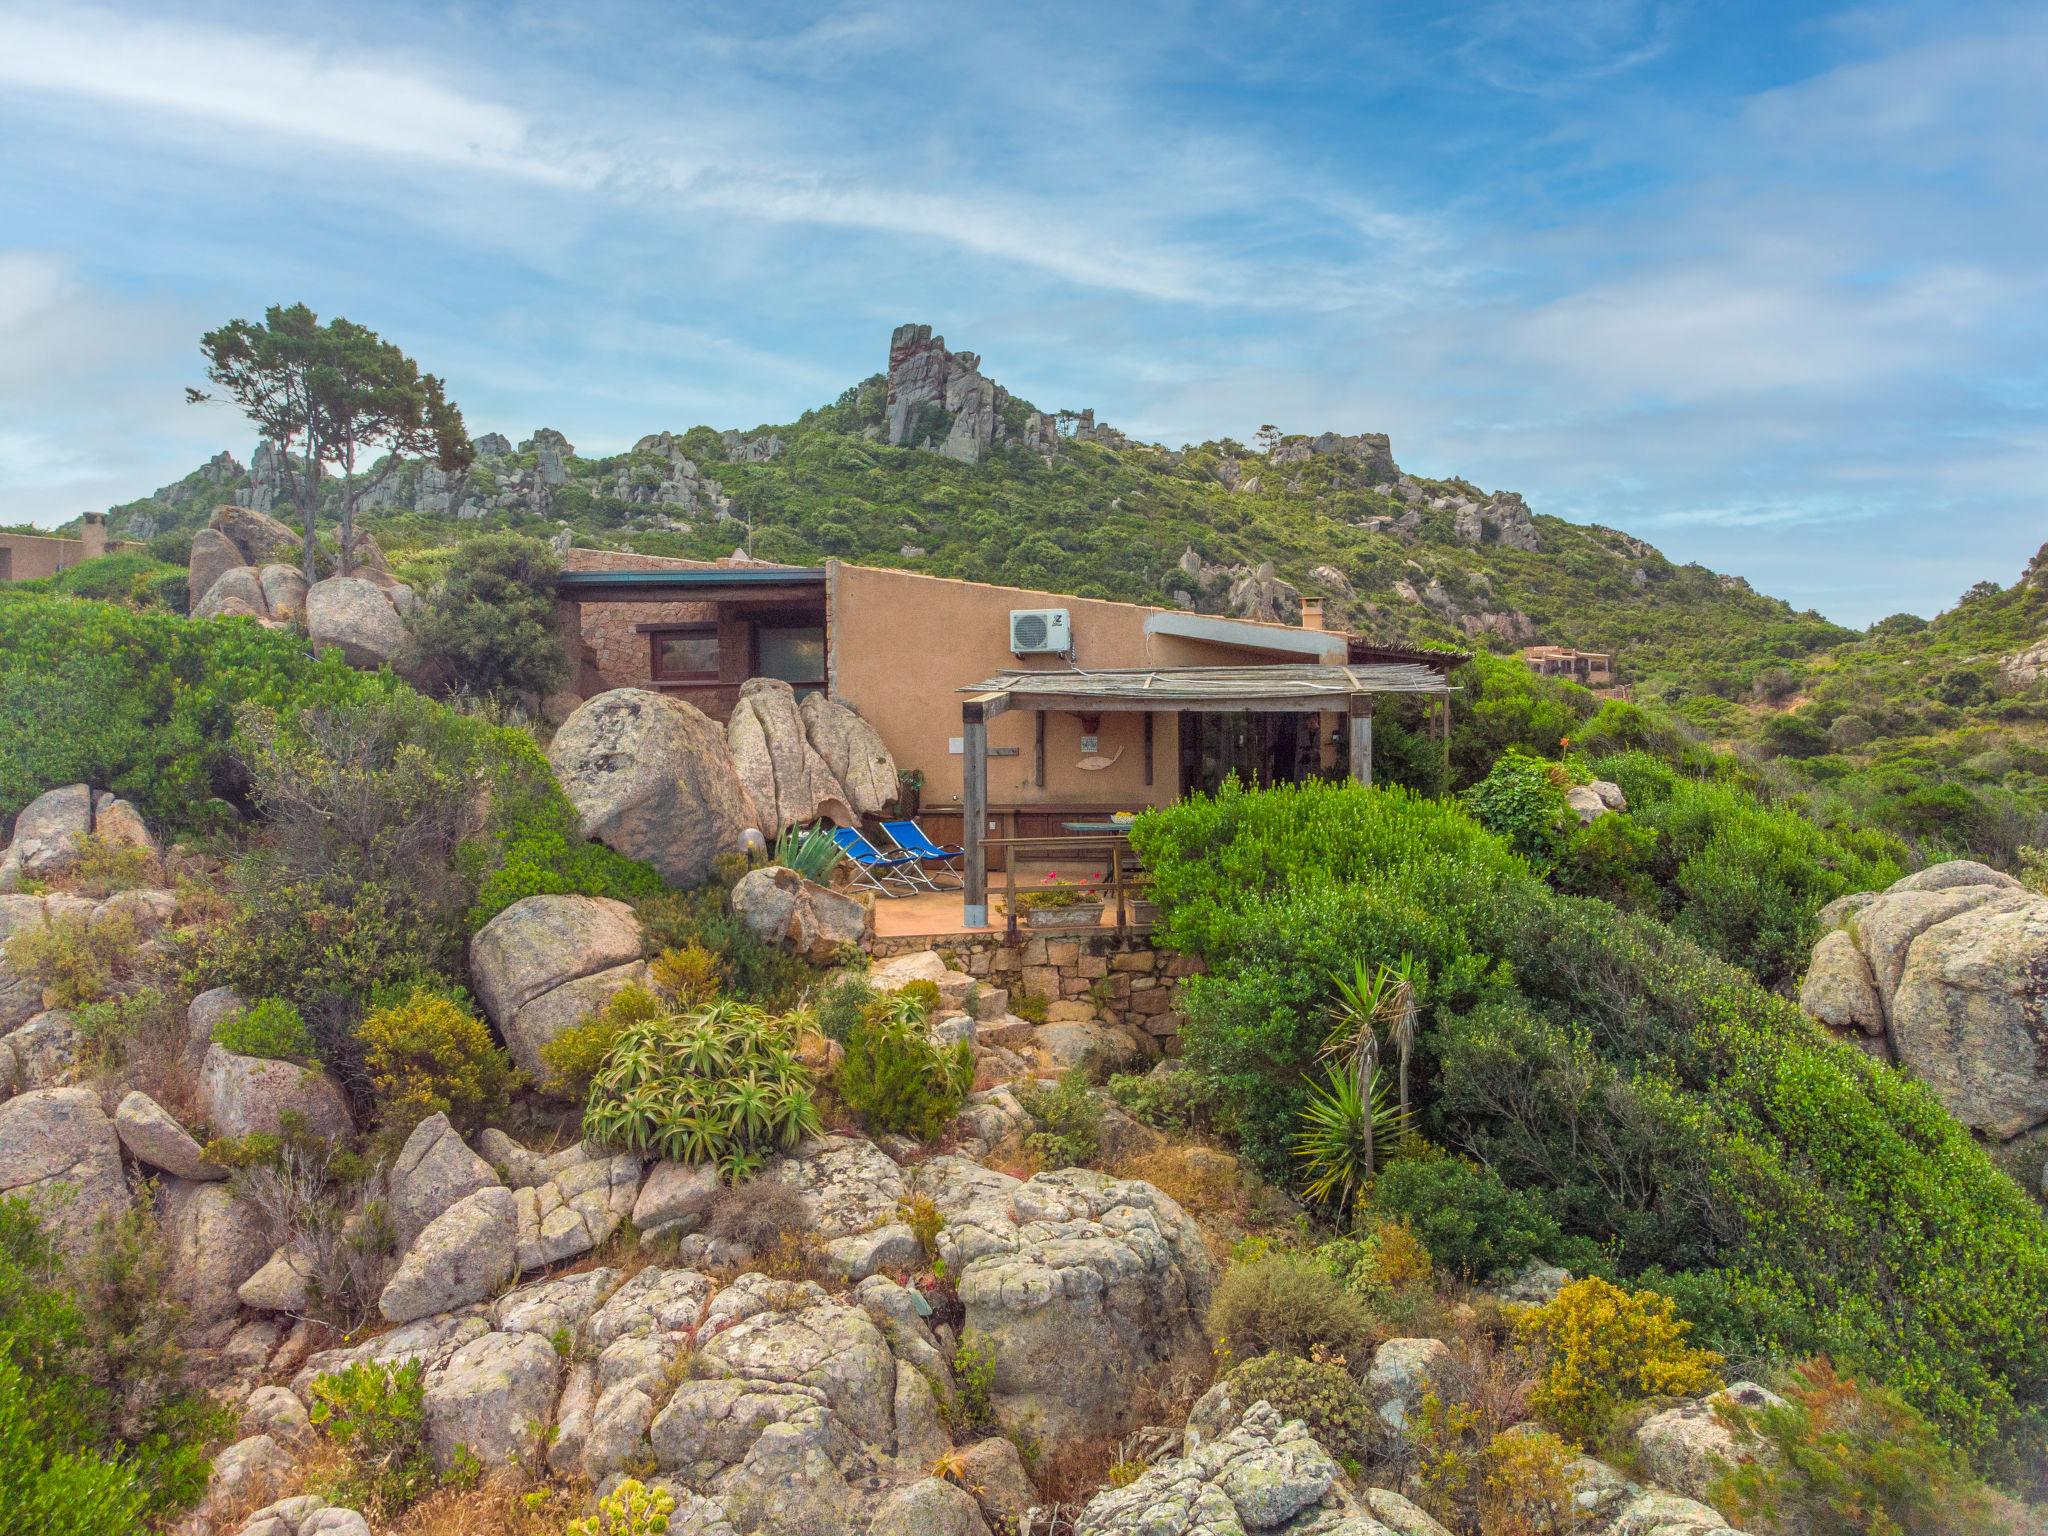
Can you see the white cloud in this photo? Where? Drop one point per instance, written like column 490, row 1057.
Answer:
column 266, row 85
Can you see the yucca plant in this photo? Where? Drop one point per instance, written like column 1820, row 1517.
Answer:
column 810, row 851
column 1343, row 1126
column 718, row 1084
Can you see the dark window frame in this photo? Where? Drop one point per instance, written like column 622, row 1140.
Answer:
column 824, row 648
column 657, row 634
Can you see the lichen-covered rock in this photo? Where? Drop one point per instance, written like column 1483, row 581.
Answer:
column 356, row 617
column 434, row 1169
column 306, row 1515
column 546, row 963
column 213, row 555
column 1085, row 1286
column 284, row 593
column 677, row 1196
column 152, row 1136
column 238, row 593
column 217, row 1242
column 207, row 1012
column 275, row 1412
column 45, row 1050
column 929, row 1507
column 257, row 537
column 1656, row 1513
column 51, row 831
column 244, row 1095
column 283, row 1284
column 1260, row 1476
column 59, row 1151
column 1950, row 966
column 1685, row 1448
column 493, row 1398
column 779, row 906
column 994, row 1471
column 576, row 1210
column 463, row 1255
column 850, row 1184
column 21, row 996
column 250, row 1471
column 1402, row 1371
column 650, row 777
column 562, row 1304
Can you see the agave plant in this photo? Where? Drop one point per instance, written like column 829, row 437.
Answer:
column 810, row 851
column 1343, row 1125
column 718, row 1084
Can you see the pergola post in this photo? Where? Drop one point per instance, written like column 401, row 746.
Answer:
column 974, row 718
column 1361, row 737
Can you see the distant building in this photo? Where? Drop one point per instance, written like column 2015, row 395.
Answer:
column 29, row 556
column 1589, row 669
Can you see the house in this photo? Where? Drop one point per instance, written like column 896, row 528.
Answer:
column 1037, row 708
column 31, row 556
column 1591, row 669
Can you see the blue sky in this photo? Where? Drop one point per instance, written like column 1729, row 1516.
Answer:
column 1763, row 283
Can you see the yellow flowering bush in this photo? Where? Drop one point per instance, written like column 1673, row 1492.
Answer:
column 429, row 1053
column 1602, row 1349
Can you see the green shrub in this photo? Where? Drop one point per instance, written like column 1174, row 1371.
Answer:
column 573, row 1057
column 1388, row 1259
column 1289, row 1302
column 840, row 1006
column 1068, row 1119
column 271, row 1028
column 1602, row 1349
column 1180, row 1102
column 428, row 1053
column 754, row 971
column 75, row 960
column 1321, row 1392
column 1668, row 1113
column 1522, row 799
column 57, row 1492
column 1841, row 1458
column 377, row 1415
column 896, row 1079
column 720, row 1084
column 93, row 1403
column 536, row 846
column 974, row 1385
column 488, row 626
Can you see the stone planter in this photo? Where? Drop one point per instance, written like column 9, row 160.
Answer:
column 1087, row 914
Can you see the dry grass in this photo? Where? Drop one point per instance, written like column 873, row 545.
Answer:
column 505, row 1504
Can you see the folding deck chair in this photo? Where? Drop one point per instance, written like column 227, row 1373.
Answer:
column 886, row 874
column 913, row 840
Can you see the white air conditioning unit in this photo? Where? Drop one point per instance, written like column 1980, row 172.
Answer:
column 1040, row 631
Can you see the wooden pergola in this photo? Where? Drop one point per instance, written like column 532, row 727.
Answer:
column 1288, row 688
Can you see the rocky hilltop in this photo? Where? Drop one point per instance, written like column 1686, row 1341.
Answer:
column 933, row 464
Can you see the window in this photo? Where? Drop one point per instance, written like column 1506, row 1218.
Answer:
column 685, row 655
column 793, row 653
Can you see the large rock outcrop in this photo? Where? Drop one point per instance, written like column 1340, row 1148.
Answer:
column 51, row 832
column 939, row 399
column 650, row 776
column 356, row 616
column 60, row 1152
column 1085, row 1285
column 1263, row 1475
column 245, row 1095
column 245, row 564
column 548, row 962
column 1949, row 968
column 853, row 753
column 783, row 775
column 779, row 906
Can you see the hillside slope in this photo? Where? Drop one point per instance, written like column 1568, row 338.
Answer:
column 933, row 466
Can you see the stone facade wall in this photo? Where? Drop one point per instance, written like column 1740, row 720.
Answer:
column 1082, row 973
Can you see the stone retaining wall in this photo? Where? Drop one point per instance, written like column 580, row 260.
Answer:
column 1081, row 973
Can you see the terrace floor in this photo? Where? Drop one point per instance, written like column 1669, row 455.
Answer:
column 937, row 914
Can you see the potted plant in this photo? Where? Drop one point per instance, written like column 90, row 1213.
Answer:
column 910, row 791
column 1063, row 906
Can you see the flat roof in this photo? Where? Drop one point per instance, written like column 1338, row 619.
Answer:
column 709, row 576
column 1285, row 687
column 1253, row 633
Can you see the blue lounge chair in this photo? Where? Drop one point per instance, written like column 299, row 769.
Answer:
column 881, row 872
column 913, row 840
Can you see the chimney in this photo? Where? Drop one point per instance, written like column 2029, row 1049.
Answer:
column 1311, row 613
column 94, row 535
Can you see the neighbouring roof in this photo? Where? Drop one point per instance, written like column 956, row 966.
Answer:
column 708, row 576
column 1250, row 633
column 1282, row 687
column 1442, row 662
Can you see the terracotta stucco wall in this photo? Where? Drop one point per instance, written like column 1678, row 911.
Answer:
column 903, row 644
column 29, row 556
